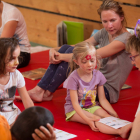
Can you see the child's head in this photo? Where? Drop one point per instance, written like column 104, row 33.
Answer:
column 133, row 46
column 84, row 53
column 9, row 52
column 29, row 120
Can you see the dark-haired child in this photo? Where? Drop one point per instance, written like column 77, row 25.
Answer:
column 33, row 118
column 11, row 79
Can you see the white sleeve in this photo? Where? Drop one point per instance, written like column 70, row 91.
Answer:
column 21, row 81
column 13, row 14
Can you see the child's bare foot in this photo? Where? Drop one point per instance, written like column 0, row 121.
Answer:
column 125, row 131
column 47, row 96
column 36, row 94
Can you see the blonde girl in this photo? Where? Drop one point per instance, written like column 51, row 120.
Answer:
column 83, row 84
column 11, row 79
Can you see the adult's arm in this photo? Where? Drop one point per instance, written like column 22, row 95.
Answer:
column 65, row 57
column 111, row 49
column 106, row 51
column 9, row 29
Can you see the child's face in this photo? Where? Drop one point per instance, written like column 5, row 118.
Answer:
column 136, row 58
column 88, row 63
column 12, row 64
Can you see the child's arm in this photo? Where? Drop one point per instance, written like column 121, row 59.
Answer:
column 79, row 111
column 27, row 102
column 104, row 102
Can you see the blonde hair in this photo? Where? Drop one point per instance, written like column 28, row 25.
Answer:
column 112, row 5
column 81, row 49
column 133, row 43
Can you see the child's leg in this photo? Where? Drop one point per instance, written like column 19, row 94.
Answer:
column 123, row 132
column 77, row 118
column 102, row 113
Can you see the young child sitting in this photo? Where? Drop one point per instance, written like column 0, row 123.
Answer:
column 29, row 120
column 11, row 79
column 83, row 85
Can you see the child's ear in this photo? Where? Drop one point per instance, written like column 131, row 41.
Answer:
column 75, row 61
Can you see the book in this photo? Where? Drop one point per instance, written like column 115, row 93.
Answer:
column 34, row 74
column 114, row 122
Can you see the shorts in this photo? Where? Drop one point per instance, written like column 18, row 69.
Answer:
column 91, row 110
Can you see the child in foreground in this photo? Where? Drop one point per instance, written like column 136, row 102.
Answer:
column 11, row 79
column 133, row 46
column 83, row 85
column 29, row 120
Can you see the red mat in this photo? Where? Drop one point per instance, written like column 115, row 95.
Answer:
column 125, row 107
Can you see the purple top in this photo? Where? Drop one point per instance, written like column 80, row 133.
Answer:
column 86, row 90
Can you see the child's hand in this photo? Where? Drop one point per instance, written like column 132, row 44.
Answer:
column 18, row 98
column 91, row 123
column 44, row 134
column 114, row 114
column 96, row 118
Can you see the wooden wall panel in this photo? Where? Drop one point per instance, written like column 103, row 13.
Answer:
column 42, row 21
column 134, row 2
column 86, row 9
column 78, row 8
column 41, row 26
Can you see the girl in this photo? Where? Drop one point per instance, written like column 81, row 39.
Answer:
column 83, row 84
column 116, row 63
column 11, row 79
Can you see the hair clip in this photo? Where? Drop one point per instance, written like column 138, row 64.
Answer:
column 137, row 29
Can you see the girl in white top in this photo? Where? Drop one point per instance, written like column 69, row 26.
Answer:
column 12, row 23
column 11, row 79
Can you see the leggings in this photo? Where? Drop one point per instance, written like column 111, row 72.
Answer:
column 56, row 74
column 24, row 59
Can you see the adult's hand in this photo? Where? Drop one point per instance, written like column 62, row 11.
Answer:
column 53, row 54
column 43, row 134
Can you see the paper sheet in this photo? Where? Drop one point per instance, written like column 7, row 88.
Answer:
column 114, row 122
column 62, row 135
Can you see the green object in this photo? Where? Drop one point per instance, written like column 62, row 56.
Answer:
column 75, row 32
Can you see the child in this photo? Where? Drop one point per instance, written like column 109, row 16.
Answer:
column 133, row 46
column 11, row 79
column 30, row 120
column 83, row 85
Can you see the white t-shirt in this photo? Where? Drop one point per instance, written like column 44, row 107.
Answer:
column 7, row 95
column 11, row 13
